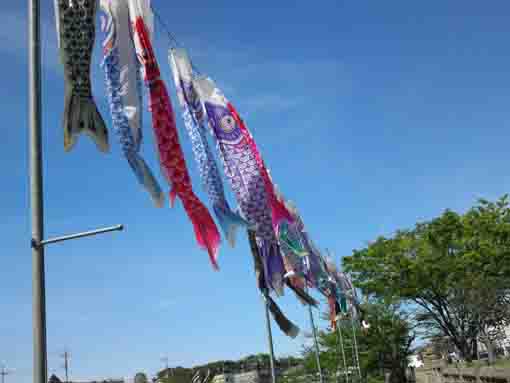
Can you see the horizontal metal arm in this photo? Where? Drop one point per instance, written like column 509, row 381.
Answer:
column 78, row 235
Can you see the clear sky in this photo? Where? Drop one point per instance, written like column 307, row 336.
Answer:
column 371, row 115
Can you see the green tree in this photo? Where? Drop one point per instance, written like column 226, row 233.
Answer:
column 176, row 375
column 141, row 377
column 54, row 379
column 384, row 347
column 454, row 270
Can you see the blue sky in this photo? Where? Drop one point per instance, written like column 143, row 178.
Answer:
column 371, row 116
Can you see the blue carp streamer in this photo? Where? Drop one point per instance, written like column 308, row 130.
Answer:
column 194, row 118
column 123, row 89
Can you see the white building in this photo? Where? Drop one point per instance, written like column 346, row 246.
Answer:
column 503, row 344
column 258, row 376
column 415, row 361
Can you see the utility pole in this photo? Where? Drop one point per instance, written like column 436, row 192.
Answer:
column 4, row 372
column 165, row 359
column 66, row 356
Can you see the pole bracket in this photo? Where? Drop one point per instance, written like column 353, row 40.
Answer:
column 38, row 244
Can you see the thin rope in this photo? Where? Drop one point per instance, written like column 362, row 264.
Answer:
column 171, row 37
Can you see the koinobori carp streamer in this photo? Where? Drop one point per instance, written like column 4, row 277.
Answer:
column 123, row 88
column 171, row 157
column 76, row 32
column 245, row 176
column 194, row 120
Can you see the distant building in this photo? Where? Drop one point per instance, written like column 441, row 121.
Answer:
column 502, row 345
column 258, row 376
column 415, row 361
column 97, row 381
column 427, row 357
column 506, row 342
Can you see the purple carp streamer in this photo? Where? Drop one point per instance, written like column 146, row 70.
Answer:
column 124, row 90
column 245, row 176
column 194, row 116
column 288, row 328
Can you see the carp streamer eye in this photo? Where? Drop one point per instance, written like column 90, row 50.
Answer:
column 227, row 124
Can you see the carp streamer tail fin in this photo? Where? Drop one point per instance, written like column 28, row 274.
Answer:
column 229, row 222
column 146, row 177
column 81, row 116
column 206, row 232
column 289, row 328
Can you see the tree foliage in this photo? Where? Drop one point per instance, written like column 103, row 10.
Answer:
column 248, row 363
column 454, row 270
column 141, row 377
column 384, row 347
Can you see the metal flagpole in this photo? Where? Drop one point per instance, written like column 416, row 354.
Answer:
column 354, row 298
column 356, row 360
column 270, row 338
column 338, row 328
column 40, row 363
column 36, row 192
column 317, row 352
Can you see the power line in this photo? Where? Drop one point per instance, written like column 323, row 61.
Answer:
column 167, row 368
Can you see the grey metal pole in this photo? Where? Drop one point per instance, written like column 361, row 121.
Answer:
column 36, row 192
column 66, row 365
column 338, row 327
column 358, row 368
column 270, row 340
column 317, row 352
column 80, row 235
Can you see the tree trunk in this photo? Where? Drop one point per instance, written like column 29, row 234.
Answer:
column 490, row 350
column 474, row 349
column 464, row 349
column 399, row 376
